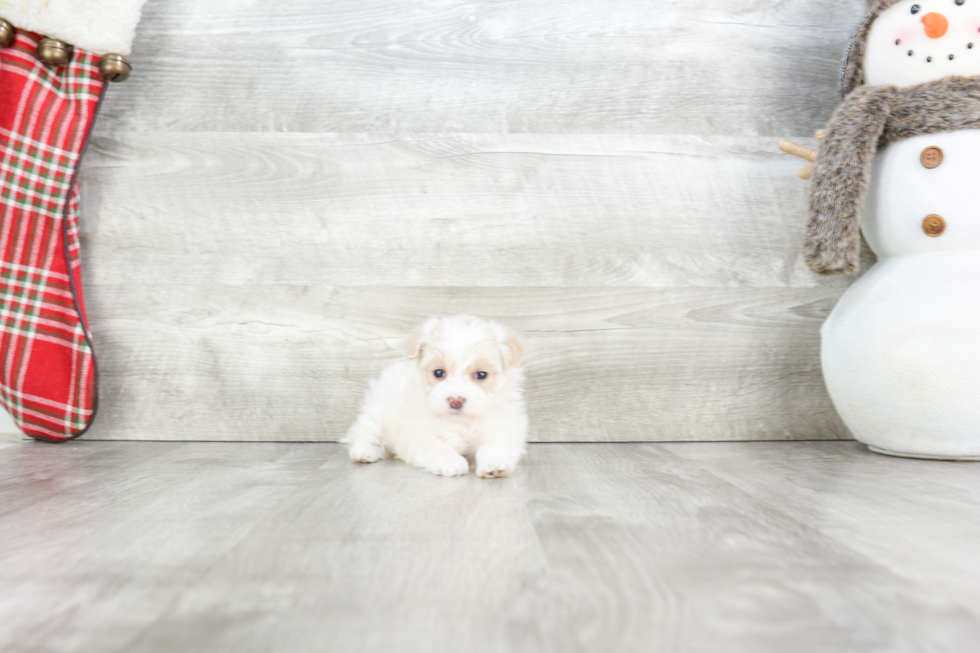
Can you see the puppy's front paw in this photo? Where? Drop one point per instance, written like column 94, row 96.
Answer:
column 366, row 452
column 449, row 464
column 496, row 464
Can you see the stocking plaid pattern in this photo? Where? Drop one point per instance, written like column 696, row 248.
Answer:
column 47, row 367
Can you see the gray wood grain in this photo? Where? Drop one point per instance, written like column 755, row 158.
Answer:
column 530, row 66
column 62, row 515
column 810, row 479
column 281, row 190
column 8, row 429
column 742, row 547
column 630, row 572
column 292, row 363
column 457, row 210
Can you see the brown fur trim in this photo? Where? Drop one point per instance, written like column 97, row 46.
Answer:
column 870, row 118
column 945, row 105
column 840, row 180
column 852, row 70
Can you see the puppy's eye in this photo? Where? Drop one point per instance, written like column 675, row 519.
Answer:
column 439, row 373
column 915, row 9
column 480, row 376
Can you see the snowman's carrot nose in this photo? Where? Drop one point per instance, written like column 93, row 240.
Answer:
column 936, row 25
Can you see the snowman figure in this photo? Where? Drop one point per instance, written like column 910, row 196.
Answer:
column 901, row 350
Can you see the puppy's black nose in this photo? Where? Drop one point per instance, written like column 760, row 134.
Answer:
column 456, row 402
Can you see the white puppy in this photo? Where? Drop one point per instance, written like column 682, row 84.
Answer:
column 458, row 395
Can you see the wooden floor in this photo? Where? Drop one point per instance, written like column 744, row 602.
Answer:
column 755, row 547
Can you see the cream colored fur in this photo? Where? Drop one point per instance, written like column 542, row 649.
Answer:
column 436, row 411
column 99, row 26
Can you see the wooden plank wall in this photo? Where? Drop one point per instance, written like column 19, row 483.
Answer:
column 282, row 190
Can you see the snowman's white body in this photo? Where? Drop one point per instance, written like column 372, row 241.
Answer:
column 901, row 351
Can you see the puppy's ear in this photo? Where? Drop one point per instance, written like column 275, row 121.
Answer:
column 412, row 346
column 511, row 346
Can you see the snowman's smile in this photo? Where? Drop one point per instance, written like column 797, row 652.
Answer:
column 916, row 41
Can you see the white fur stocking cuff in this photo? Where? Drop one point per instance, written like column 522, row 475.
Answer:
column 99, row 26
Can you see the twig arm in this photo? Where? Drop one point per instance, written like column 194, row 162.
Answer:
column 796, row 149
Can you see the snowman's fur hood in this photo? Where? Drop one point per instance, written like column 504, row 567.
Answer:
column 852, row 70
column 869, row 118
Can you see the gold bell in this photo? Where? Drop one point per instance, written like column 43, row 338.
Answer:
column 53, row 52
column 7, row 33
column 114, row 68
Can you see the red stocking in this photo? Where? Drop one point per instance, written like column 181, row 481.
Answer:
column 47, row 367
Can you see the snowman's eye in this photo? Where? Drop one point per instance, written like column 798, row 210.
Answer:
column 959, row 3
column 915, row 9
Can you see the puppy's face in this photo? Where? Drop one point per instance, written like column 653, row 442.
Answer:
column 463, row 361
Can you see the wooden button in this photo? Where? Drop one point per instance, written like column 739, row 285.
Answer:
column 934, row 225
column 931, row 157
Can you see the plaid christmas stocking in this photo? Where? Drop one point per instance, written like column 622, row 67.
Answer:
column 47, row 109
column 47, row 367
